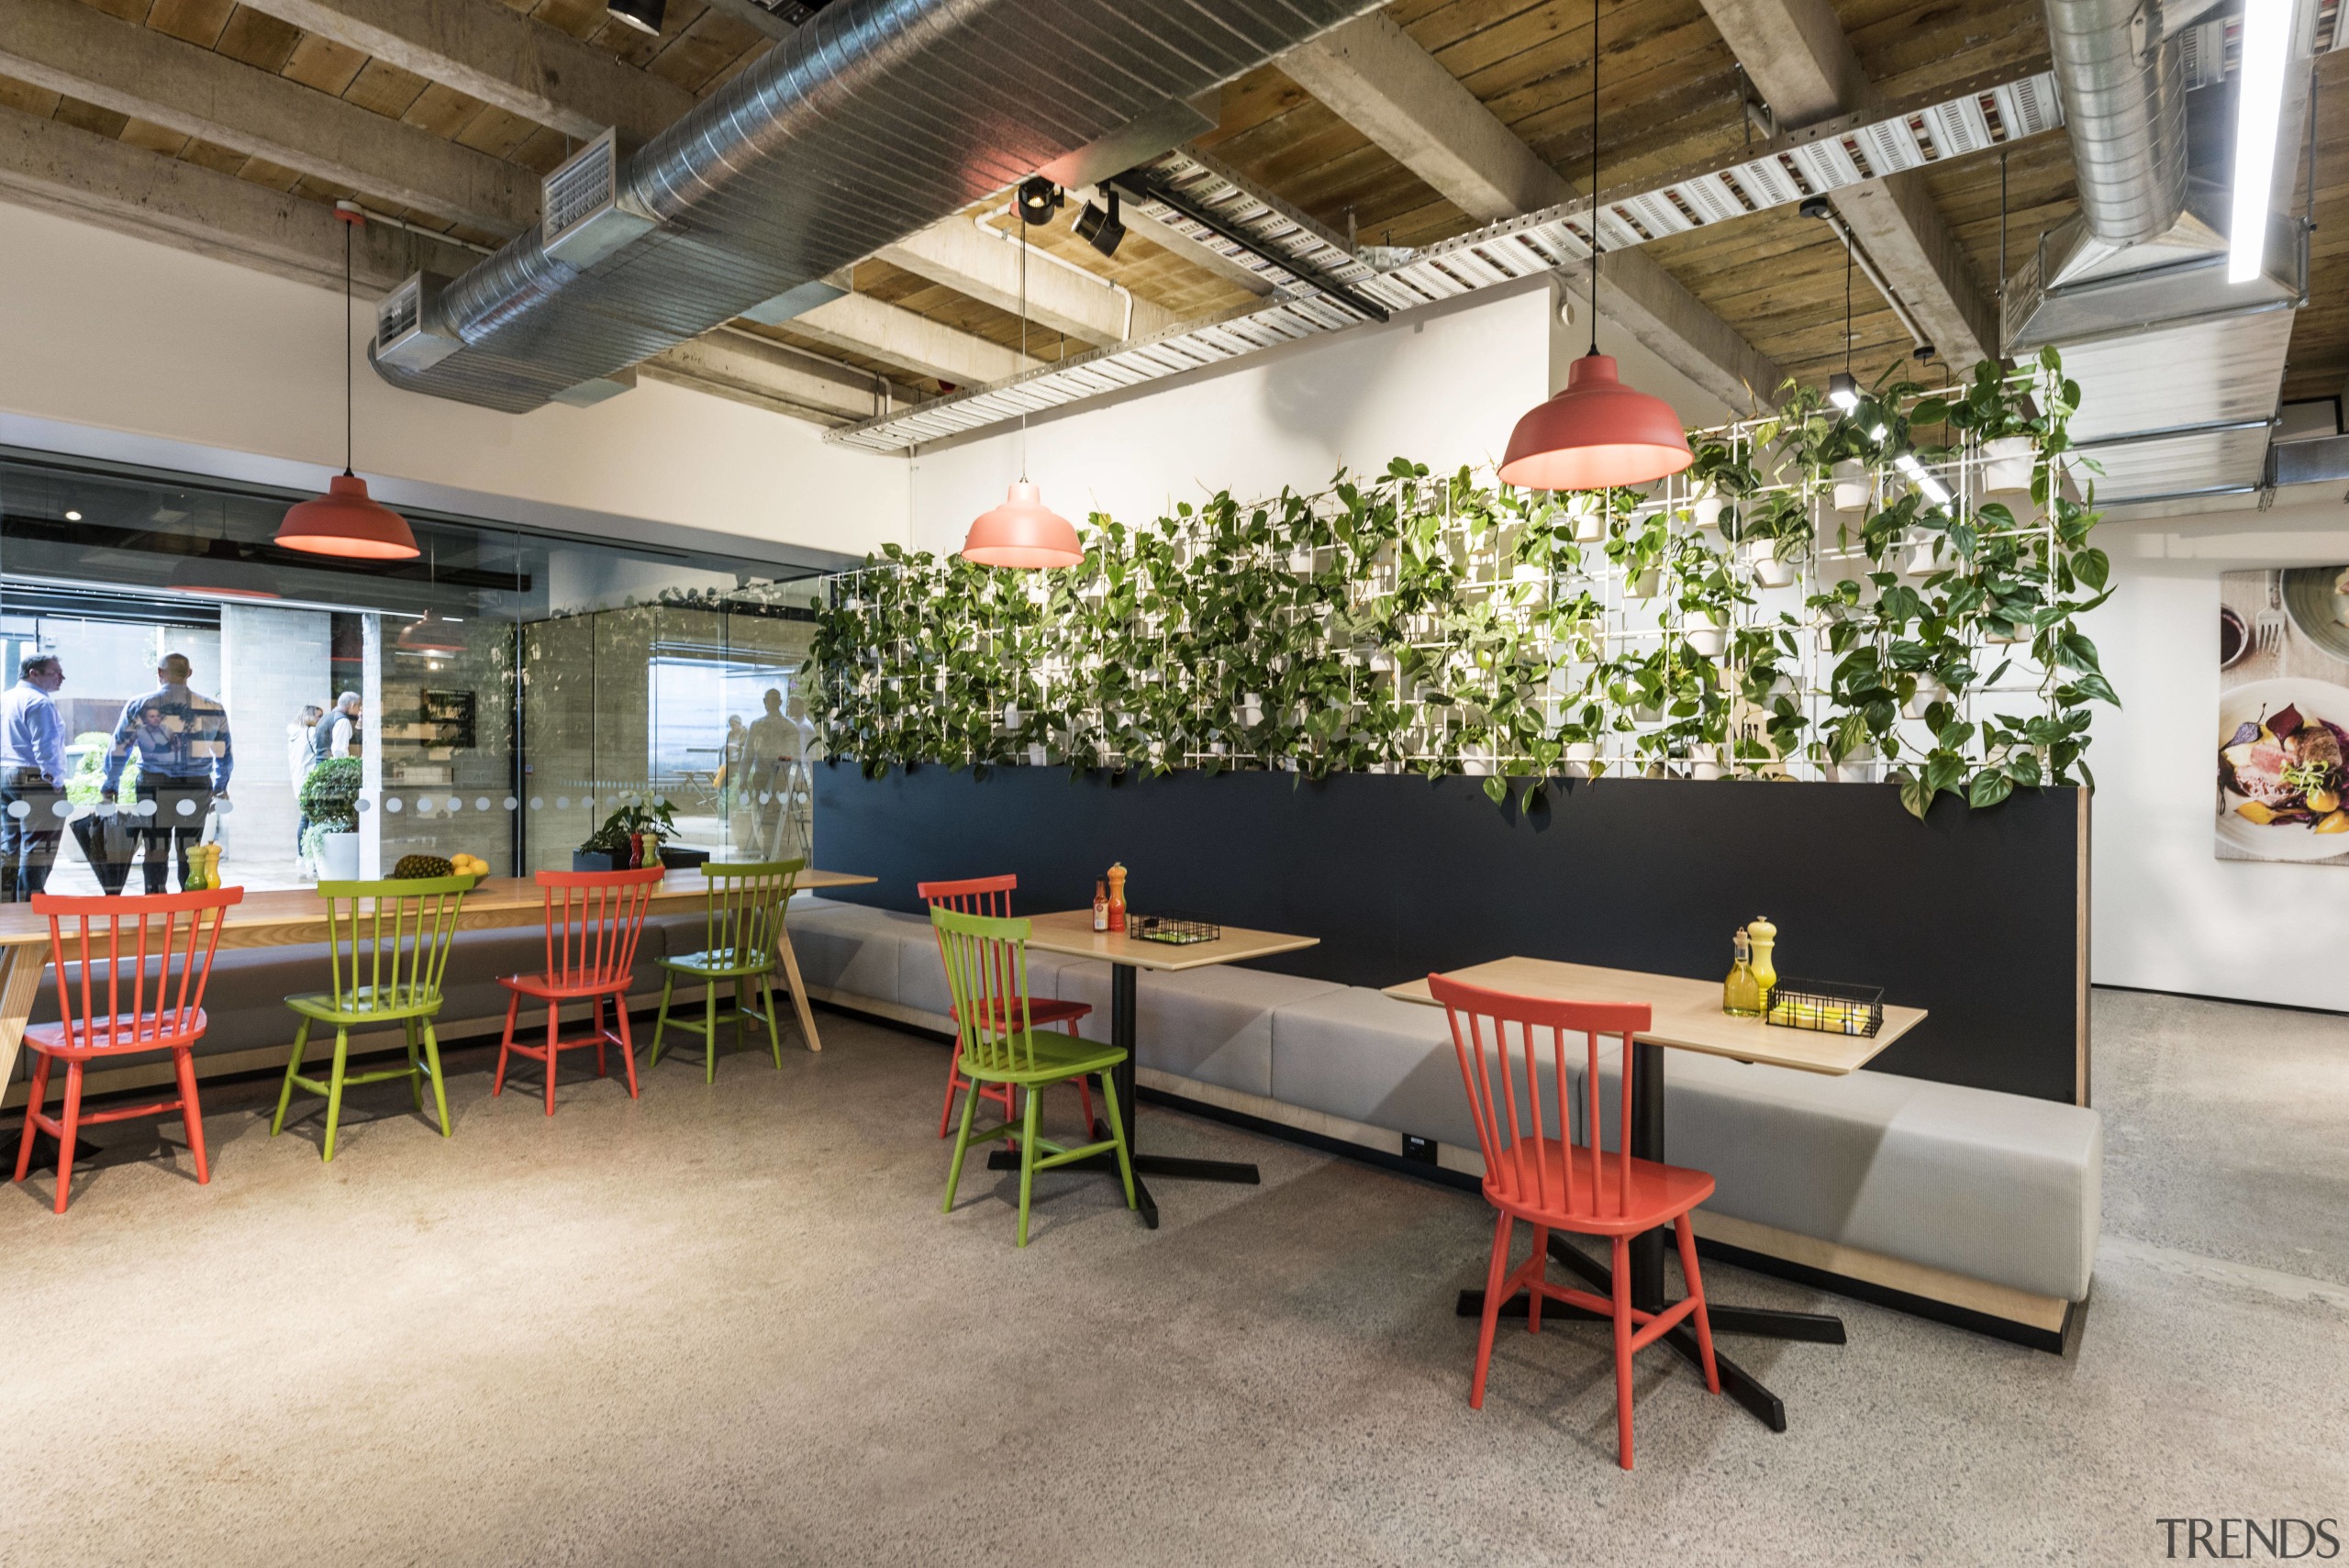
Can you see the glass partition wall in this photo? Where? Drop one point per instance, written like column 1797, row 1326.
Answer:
column 503, row 693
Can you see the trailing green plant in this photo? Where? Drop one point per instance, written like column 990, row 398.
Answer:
column 329, row 793
column 1445, row 624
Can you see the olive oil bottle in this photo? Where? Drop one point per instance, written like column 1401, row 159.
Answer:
column 1741, row 993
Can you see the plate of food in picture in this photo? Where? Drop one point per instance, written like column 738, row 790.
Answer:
column 2317, row 598
column 2284, row 769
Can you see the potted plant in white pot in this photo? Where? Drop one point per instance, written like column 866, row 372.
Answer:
column 330, row 802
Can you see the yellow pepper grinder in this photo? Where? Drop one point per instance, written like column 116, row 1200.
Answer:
column 1764, row 936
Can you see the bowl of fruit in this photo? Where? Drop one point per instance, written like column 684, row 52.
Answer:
column 413, row 868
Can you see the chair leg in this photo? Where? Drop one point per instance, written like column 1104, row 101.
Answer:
column 505, row 1046
column 709, row 1032
column 627, row 1043
column 1540, row 1261
column 1494, row 1274
column 432, row 1061
column 1028, row 1158
column 962, row 1147
column 954, row 1082
column 293, row 1066
column 191, row 1112
column 69, row 1130
column 33, row 1101
column 597, row 1019
column 553, row 1053
column 415, row 1066
column 1117, row 1133
column 660, row 1019
column 1085, row 1097
column 1688, row 1238
column 1621, row 1260
column 334, row 1088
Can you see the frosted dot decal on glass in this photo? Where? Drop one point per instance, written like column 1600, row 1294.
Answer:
column 392, row 804
column 20, row 809
column 538, row 803
column 184, row 807
column 511, row 802
column 480, row 803
column 65, row 808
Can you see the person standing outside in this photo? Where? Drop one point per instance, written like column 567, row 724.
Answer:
column 338, row 734
column 182, row 739
column 32, row 777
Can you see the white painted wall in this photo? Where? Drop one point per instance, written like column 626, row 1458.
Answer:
column 2169, row 914
column 1442, row 386
column 120, row 347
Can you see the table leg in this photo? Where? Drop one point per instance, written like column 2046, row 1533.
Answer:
column 798, row 991
column 1122, row 1010
column 20, row 973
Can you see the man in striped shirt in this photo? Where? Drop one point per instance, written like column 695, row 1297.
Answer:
column 32, row 777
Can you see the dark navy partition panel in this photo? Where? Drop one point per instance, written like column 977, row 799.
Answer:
column 1976, row 916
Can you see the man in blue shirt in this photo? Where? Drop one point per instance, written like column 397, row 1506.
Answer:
column 182, row 739
column 32, row 777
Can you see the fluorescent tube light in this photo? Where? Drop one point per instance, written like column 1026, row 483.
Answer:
column 1935, row 491
column 2259, row 107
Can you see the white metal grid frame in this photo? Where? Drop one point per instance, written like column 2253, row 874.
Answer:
column 1046, row 670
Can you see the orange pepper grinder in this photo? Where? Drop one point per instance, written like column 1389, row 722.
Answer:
column 1117, row 898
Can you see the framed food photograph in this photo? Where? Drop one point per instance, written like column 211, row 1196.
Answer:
column 2283, row 731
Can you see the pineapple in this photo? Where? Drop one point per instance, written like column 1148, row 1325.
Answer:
column 418, row 868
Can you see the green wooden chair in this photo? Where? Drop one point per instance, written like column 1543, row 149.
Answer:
column 986, row 969
column 743, row 915
column 387, row 946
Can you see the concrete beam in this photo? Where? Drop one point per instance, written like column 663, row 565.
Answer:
column 862, row 325
column 748, row 369
column 963, row 257
column 1372, row 75
column 94, row 179
column 1795, row 53
column 504, row 58
column 132, row 69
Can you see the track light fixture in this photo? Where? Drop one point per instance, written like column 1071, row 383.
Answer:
column 1100, row 227
column 644, row 15
column 1039, row 199
column 1843, row 391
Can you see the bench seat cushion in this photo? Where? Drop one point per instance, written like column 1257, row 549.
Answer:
column 1213, row 1025
column 1364, row 1056
column 846, row 947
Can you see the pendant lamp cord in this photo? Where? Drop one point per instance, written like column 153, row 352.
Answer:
column 1847, row 302
column 1594, row 247
column 346, row 349
column 1023, row 344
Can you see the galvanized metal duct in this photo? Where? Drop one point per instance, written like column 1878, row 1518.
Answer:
column 2124, row 108
column 877, row 118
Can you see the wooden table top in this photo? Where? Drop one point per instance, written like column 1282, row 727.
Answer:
column 1687, row 1013
column 1071, row 932
column 290, row 917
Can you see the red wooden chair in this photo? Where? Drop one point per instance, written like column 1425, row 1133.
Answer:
column 990, row 898
column 1532, row 1175
column 595, row 919
column 166, row 1011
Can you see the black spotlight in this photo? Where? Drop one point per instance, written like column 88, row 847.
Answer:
column 1098, row 227
column 1039, row 199
column 644, row 15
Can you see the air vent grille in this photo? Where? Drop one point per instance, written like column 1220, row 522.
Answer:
column 584, row 218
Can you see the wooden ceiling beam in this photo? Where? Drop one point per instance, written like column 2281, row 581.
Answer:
column 1371, row 74
column 506, row 60
column 1796, row 53
column 85, row 53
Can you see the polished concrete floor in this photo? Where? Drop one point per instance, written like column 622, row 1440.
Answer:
column 729, row 1325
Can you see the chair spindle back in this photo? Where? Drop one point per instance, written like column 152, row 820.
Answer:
column 162, row 1009
column 387, row 942
column 595, row 920
column 986, row 971
column 1503, row 1077
column 743, row 909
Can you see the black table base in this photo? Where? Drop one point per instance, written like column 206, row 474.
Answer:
column 1121, row 1083
column 1647, row 1272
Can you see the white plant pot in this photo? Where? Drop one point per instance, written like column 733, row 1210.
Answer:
column 1646, row 585
column 339, row 857
column 1928, row 692
column 1590, row 528
column 1707, row 635
column 1850, row 495
column 1706, row 511
column 1772, row 573
column 1921, row 560
column 2009, row 465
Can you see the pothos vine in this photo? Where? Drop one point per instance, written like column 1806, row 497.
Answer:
column 1442, row 624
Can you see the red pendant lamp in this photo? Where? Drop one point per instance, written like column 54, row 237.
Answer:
column 1597, row 433
column 345, row 521
column 1023, row 532
column 221, row 572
